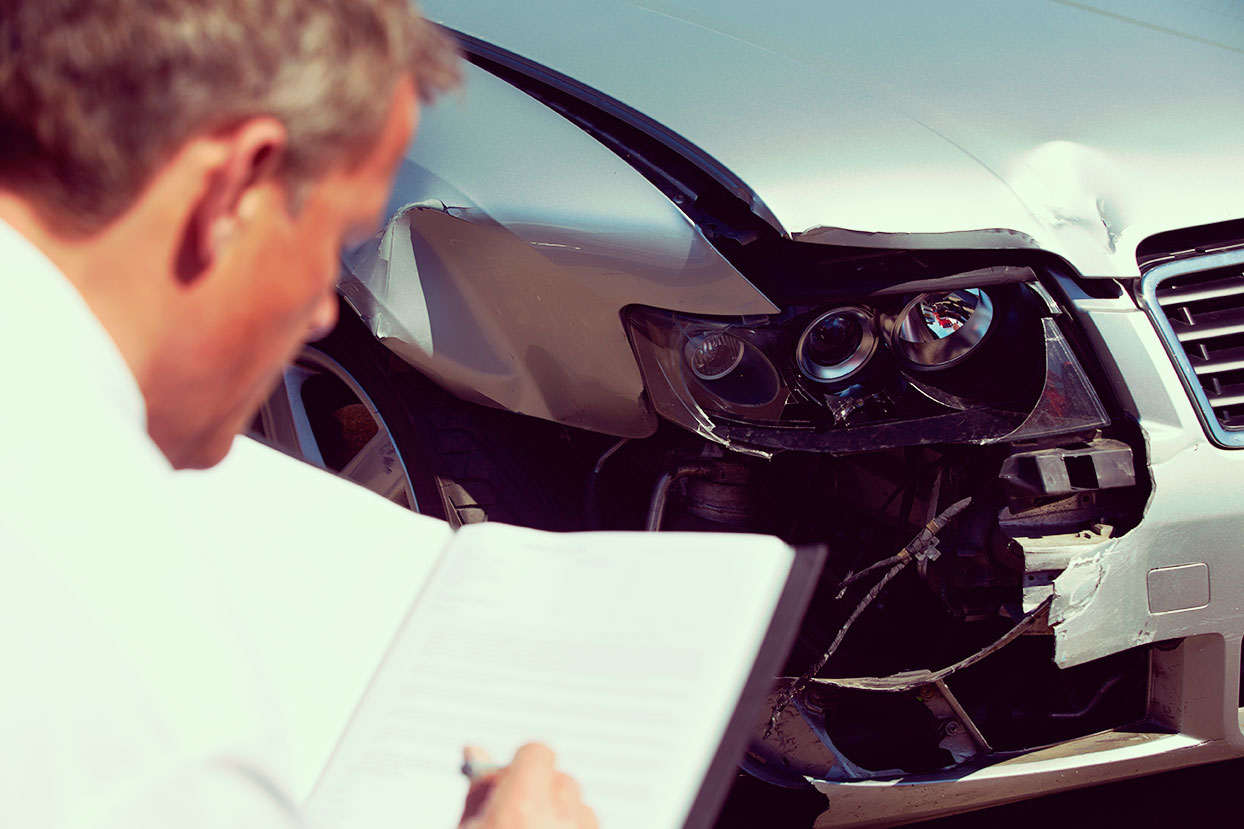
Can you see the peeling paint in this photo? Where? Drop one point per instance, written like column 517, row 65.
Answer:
column 1076, row 588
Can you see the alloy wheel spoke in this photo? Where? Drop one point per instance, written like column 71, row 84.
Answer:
column 376, row 466
column 285, row 419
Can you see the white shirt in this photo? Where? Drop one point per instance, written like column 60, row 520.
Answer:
column 176, row 649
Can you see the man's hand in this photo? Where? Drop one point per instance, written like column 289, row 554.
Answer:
column 527, row 794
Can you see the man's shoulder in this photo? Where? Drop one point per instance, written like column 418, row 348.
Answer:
column 68, row 391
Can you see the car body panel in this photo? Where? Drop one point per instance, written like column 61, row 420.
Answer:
column 889, row 124
column 525, row 262
column 1105, row 599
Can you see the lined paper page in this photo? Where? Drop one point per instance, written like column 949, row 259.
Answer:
column 625, row 652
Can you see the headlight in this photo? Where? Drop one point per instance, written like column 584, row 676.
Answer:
column 938, row 330
column 728, row 373
column 836, row 346
column 967, row 363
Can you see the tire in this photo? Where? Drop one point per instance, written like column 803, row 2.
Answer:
column 349, row 405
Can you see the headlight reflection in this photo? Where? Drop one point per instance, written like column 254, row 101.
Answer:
column 937, row 330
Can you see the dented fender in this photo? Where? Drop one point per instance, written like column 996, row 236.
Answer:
column 509, row 292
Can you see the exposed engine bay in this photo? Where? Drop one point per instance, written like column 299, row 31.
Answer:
column 835, row 394
column 942, row 437
column 945, row 591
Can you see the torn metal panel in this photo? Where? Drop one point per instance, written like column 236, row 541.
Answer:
column 511, row 294
column 1102, row 601
column 1047, row 557
column 795, row 747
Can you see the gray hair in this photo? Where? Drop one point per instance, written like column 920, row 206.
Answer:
column 96, row 94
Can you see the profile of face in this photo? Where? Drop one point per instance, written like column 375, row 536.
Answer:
column 269, row 288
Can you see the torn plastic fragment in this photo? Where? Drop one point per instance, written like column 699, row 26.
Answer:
column 1076, row 588
column 795, row 750
column 385, row 275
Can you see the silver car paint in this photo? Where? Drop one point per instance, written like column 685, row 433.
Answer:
column 516, row 241
column 1076, row 127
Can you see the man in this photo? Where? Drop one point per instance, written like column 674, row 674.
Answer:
column 177, row 178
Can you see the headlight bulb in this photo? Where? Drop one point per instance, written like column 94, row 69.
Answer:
column 712, row 355
column 836, row 345
column 937, row 330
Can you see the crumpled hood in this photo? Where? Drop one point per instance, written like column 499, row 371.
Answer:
column 1077, row 127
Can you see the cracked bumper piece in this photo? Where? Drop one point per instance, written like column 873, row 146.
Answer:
column 1192, row 719
column 1099, row 758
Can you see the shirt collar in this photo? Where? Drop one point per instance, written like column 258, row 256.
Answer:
column 42, row 310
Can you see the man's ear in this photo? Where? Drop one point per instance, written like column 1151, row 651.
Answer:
column 247, row 155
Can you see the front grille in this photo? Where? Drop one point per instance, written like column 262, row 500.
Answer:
column 1197, row 305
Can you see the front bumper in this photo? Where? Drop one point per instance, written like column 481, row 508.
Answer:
column 1177, row 578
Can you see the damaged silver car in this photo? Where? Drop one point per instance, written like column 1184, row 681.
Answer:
column 957, row 289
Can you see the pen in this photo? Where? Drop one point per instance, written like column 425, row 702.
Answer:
column 477, row 765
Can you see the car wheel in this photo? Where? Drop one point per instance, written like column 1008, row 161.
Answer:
column 349, row 405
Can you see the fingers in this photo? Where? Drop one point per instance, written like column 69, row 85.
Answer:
column 529, row 793
column 528, row 777
column 565, row 789
column 533, row 765
column 585, row 818
column 569, row 805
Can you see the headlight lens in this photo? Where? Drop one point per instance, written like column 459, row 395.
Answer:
column 938, row 330
column 713, row 355
column 977, row 364
column 836, row 345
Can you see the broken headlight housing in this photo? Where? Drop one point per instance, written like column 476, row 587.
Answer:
column 954, row 362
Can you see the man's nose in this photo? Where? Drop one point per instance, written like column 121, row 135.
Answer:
column 324, row 318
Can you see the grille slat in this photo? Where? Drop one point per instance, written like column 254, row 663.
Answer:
column 1216, row 365
column 1207, row 326
column 1200, row 313
column 1219, row 401
column 1183, row 295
